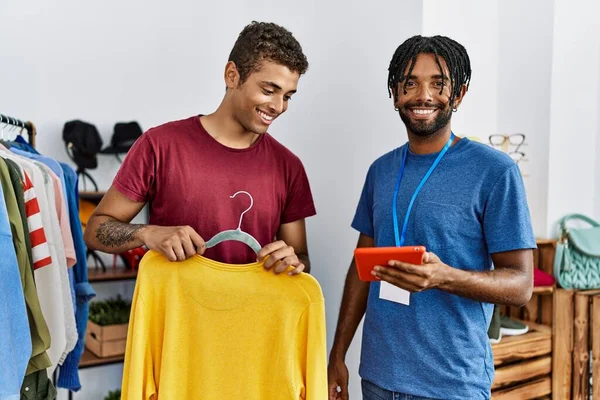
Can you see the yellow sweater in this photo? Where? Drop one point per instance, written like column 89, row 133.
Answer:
column 201, row 329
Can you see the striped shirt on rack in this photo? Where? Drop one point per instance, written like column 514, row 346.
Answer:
column 39, row 244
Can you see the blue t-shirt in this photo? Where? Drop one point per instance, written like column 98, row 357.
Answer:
column 473, row 205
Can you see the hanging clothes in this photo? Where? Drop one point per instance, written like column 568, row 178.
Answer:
column 40, row 335
column 47, row 327
column 48, row 278
column 81, row 291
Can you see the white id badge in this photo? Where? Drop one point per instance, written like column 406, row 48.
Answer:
column 389, row 292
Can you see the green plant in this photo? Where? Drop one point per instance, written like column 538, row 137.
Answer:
column 113, row 395
column 110, row 312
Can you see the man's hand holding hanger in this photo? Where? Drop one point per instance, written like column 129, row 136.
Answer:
column 177, row 243
column 281, row 257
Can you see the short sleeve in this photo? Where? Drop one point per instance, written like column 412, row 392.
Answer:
column 363, row 218
column 299, row 203
column 506, row 220
column 135, row 178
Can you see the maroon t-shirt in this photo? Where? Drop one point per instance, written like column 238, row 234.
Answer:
column 188, row 177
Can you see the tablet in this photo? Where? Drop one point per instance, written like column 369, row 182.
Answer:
column 367, row 258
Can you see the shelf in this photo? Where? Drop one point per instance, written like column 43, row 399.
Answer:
column 545, row 241
column 535, row 343
column 543, row 289
column 529, row 390
column 93, row 197
column 588, row 292
column 523, row 371
column 88, row 360
column 111, row 274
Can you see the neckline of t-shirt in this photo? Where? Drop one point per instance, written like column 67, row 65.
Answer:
column 432, row 156
column 227, row 267
column 221, row 145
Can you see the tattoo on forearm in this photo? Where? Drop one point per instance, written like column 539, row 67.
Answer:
column 113, row 233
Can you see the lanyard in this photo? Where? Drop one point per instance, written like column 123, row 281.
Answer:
column 400, row 238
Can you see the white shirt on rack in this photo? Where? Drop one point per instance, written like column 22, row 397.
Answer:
column 51, row 181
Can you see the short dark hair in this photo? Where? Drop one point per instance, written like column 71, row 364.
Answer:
column 452, row 52
column 260, row 41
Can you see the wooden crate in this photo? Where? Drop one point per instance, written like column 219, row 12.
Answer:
column 540, row 308
column 546, row 250
column 523, row 364
column 106, row 341
column 576, row 336
column 573, row 318
column 595, row 339
column 530, row 390
column 562, row 345
column 523, row 371
column 533, row 344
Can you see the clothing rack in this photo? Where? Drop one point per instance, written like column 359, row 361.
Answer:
column 28, row 126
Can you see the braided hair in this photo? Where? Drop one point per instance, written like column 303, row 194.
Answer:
column 452, row 52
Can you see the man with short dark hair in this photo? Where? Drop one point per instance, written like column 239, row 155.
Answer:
column 187, row 170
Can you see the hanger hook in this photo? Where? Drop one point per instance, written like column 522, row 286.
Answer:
column 248, row 209
column 2, row 133
column 12, row 123
column 15, row 122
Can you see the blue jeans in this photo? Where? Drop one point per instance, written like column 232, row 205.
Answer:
column 373, row 392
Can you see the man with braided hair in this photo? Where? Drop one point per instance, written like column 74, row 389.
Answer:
column 465, row 202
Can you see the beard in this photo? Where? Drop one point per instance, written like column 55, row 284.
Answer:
column 425, row 129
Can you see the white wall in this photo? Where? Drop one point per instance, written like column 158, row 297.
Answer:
column 115, row 61
column 474, row 24
column 523, row 82
column 529, row 60
column 597, row 168
column 510, row 47
column 574, row 110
